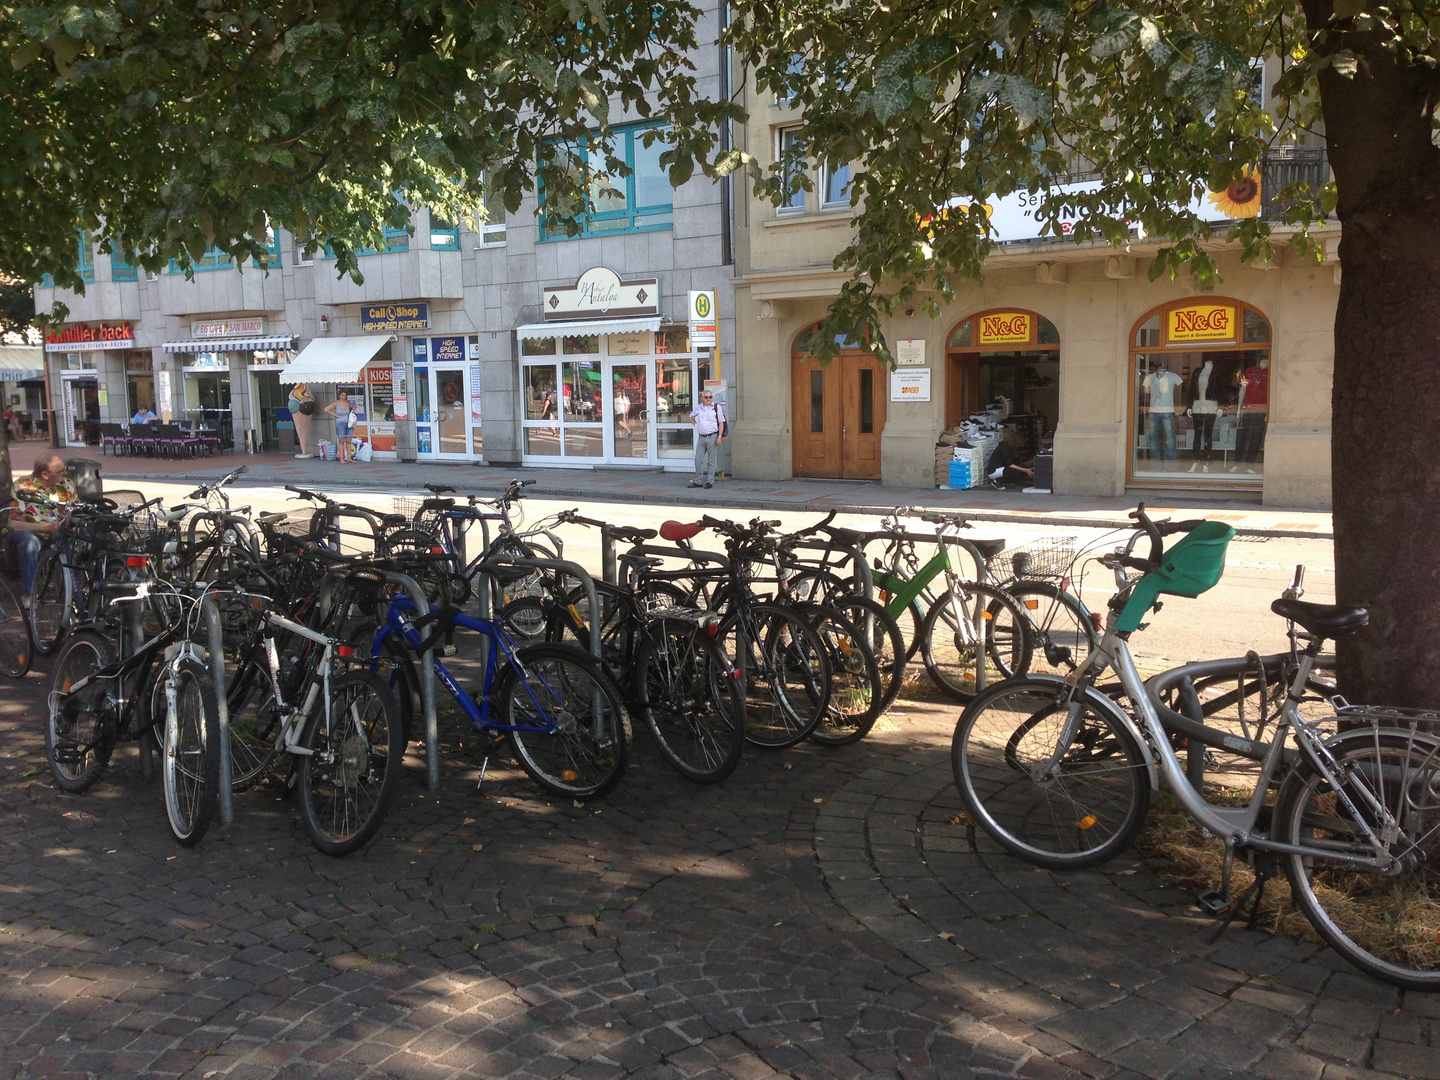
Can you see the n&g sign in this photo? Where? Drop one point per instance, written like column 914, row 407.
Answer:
column 1201, row 322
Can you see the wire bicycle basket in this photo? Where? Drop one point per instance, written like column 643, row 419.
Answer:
column 1044, row 560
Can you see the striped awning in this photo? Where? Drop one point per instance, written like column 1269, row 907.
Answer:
column 245, row 344
column 334, row 360
column 19, row 362
column 593, row 326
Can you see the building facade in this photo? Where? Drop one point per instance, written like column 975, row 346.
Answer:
column 1139, row 385
column 451, row 348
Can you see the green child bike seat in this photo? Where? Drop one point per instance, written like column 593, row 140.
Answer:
column 1189, row 568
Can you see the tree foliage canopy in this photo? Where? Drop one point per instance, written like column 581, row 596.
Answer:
column 188, row 126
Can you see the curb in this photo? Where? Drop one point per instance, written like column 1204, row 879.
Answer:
column 682, row 497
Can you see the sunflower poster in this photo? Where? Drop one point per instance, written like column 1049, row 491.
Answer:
column 1242, row 198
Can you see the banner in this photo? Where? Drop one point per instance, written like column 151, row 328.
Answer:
column 398, row 401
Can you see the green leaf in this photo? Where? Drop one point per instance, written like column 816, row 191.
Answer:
column 892, row 97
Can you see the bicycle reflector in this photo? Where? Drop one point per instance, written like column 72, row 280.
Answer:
column 347, row 652
column 136, row 561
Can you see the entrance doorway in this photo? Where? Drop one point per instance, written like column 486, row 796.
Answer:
column 630, row 426
column 837, row 416
column 1007, row 356
column 443, row 430
column 81, row 408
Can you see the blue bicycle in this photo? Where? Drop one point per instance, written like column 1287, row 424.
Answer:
column 559, row 709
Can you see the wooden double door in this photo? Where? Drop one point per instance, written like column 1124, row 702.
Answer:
column 837, row 416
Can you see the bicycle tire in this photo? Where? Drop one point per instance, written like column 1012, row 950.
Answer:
column 884, row 636
column 349, row 780
column 50, row 602
column 190, row 752
column 16, row 649
column 530, row 620
column 857, row 691
column 1086, row 812
column 787, row 673
column 79, row 726
column 1386, row 925
column 952, row 660
column 533, row 584
column 691, row 701
column 910, row 619
column 563, row 685
column 253, row 722
column 1054, row 617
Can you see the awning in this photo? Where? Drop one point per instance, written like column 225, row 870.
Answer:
column 19, row 362
column 246, row 344
column 596, row 326
column 334, row 360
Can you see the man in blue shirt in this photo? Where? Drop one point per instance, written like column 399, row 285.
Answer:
column 144, row 416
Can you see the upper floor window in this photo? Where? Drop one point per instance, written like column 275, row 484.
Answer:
column 492, row 229
column 215, row 259
column 86, row 264
column 121, row 269
column 444, row 234
column 790, row 154
column 643, row 201
column 835, row 186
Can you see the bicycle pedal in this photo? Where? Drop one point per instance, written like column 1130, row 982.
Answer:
column 65, row 755
column 1213, row 902
column 446, row 650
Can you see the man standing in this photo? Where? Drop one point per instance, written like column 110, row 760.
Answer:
column 39, row 504
column 709, row 420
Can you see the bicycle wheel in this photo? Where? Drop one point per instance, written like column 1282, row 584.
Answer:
column 570, row 729
column 254, row 722
column 80, row 727
column 16, row 652
column 950, row 644
column 190, row 753
column 1076, row 810
column 882, row 633
column 691, row 700
column 530, row 619
column 50, row 602
column 857, row 693
column 1062, row 633
column 1386, row 924
column 530, row 584
column 787, row 673
column 349, row 780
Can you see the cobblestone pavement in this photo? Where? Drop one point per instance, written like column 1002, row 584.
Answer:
column 818, row 915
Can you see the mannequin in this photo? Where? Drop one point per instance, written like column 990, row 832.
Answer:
column 1204, row 406
column 1253, row 416
column 1160, row 387
column 299, row 394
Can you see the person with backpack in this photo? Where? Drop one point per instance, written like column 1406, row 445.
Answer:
column 710, row 424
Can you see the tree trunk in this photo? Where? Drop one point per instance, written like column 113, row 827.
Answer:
column 1386, row 402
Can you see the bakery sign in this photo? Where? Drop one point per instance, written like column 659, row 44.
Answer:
column 380, row 318
column 600, row 294
column 76, row 338
column 1200, row 322
column 1005, row 328
column 218, row 328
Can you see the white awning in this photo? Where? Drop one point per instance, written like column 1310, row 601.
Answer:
column 596, row 326
column 19, row 362
column 334, row 360
column 246, row 344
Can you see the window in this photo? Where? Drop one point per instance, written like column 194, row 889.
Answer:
column 643, row 201
column 789, row 96
column 302, row 257
column 86, row 264
column 835, row 186
column 215, row 259
column 121, row 269
column 790, row 156
column 444, row 235
column 492, row 227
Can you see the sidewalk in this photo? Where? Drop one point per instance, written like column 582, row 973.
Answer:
column 645, row 486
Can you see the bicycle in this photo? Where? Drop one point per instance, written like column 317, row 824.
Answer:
column 17, row 650
column 1062, row 630
column 1060, row 775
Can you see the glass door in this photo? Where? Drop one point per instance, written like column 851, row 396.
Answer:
column 82, row 410
column 450, row 395
column 630, row 424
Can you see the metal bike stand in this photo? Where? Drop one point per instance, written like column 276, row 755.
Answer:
column 609, row 566
column 211, row 612
column 856, row 552
column 575, row 570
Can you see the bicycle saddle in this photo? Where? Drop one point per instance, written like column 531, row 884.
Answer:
column 989, row 548
column 675, row 531
column 389, row 520
column 1326, row 620
column 845, row 537
column 630, row 534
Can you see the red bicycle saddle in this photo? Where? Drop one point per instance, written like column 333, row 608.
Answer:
column 675, row 531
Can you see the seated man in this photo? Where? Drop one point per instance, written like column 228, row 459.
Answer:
column 1004, row 467
column 34, row 513
column 143, row 416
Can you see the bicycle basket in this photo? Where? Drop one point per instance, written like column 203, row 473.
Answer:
column 1189, row 568
column 1044, row 560
column 409, row 506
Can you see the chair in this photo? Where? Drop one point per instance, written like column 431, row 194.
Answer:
column 143, row 439
column 114, row 436
column 206, row 437
column 174, row 439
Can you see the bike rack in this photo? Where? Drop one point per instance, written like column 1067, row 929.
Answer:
column 856, row 554
column 575, row 570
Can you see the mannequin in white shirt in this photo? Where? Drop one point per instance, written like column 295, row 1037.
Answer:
column 1160, row 386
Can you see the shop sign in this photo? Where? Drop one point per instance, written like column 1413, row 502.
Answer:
column 378, row 318
column 910, row 385
column 252, row 327
column 1200, row 322
column 910, row 352
column 379, row 374
column 599, row 292
column 399, row 402
column 1005, row 328
column 447, row 350
column 630, row 344
column 90, row 338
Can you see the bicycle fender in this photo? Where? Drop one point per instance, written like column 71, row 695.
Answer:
column 1102, row 704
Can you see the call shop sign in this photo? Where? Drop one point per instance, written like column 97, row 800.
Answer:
column 376, row 318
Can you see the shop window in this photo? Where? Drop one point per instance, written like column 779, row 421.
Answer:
column 1200, row 397
column 672, row 341
column 537, row 347
column 1046, row 334
column 641, row 200
column 581, row 345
